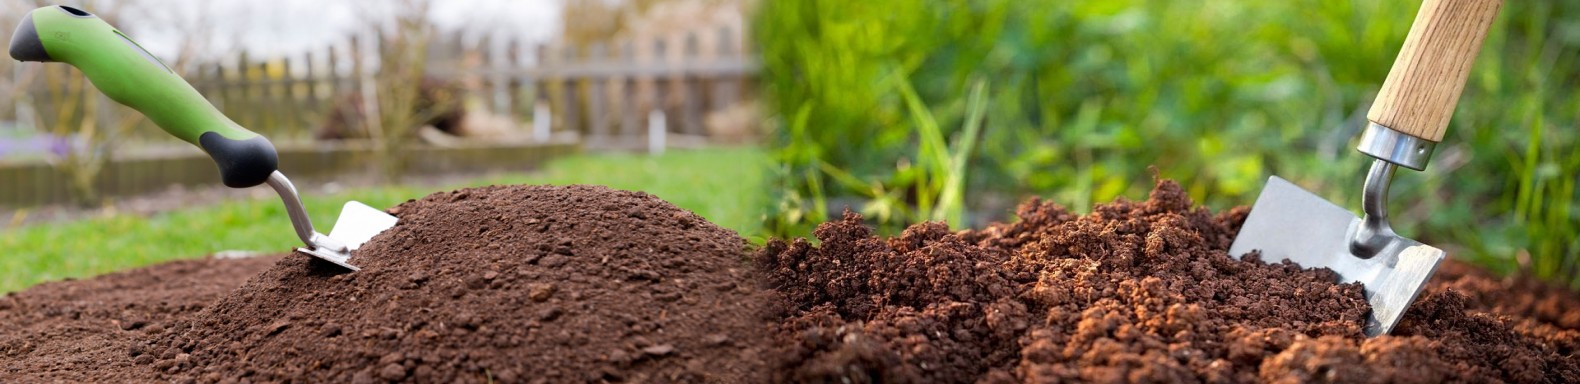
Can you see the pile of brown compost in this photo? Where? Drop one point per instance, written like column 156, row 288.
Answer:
column 1134, row 291
column 81, row 330
column 587, row 284
column 495, row 284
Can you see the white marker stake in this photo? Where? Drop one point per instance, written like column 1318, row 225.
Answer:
column 656, row 132
column 540, row 122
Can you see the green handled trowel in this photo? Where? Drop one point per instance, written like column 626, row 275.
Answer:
column 131, row 76
column 1407, row 120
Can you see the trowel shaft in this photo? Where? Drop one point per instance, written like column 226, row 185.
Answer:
column 1413, row 108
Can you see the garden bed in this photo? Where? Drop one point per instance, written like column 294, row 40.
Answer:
column 555, row 284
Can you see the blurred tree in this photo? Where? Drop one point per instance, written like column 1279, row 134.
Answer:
column 603, row 21
column 399, row 107
column 14, row 80
column 85, row 123
column 589, row 21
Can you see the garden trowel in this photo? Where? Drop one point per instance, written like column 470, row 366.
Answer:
column 1407, row 120
column 131, row 76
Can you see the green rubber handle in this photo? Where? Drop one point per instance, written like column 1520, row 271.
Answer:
column 128, row 74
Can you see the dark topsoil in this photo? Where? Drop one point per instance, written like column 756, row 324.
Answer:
column 555, row 284
column 502, row 284
column 1135, row 291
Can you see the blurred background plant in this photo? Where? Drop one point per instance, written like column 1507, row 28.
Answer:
column 1082, row 98
column 398, row 108
column 84, row 125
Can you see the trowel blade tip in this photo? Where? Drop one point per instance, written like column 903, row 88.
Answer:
column 359, row 222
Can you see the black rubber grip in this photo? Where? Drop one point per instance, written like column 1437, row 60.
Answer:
column 25, row 45
column 242, row 163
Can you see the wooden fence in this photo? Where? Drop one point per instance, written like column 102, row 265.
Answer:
column 564, row 97
column 35, row 184
column 603, row 95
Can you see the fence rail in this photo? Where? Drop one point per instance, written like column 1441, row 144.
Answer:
column 606, row 101
column 600, row 97
column 37, row 184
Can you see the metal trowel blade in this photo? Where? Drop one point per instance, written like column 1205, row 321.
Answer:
column 1289, row 223
column 357, row 223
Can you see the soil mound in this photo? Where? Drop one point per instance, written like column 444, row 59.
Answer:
column 80, row 330
column 1134, row 291
column 502, row 284
column 567, row 284
column 1514, row 296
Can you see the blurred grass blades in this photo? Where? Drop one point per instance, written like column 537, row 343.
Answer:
column 1087, row 95
column 936, row 179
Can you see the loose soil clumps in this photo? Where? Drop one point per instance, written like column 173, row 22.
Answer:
column 502, row 284
column 1134, row 291
column 82, row 331
column 588, row 284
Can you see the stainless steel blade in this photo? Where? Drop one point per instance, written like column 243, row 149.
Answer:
column 358, row 222
column 1289, row 223
column 356, row 225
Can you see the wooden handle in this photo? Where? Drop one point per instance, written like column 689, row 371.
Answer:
column 1422, row 88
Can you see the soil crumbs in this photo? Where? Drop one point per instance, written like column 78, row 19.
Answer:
column 84, row 330
column 495, row 284
column 1133, row 292
column 573, row 284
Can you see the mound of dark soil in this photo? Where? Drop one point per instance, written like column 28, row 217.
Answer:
column 501, row 284
column 1527, row 299
column 575, row 284
column 1135, row 291
column 80, row 331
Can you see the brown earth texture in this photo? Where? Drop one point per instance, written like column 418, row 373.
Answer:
column 1133, row 292
column 496, row 284
column 587, row 284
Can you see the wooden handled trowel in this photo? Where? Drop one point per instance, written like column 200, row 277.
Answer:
column 131, row 76
column 1406, row 121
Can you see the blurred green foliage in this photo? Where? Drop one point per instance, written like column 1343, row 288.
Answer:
column 1086, row 96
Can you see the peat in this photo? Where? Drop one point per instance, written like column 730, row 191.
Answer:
column 1134, row 291
column 503, row 284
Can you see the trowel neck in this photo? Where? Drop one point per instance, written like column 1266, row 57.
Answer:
column 1374, row 233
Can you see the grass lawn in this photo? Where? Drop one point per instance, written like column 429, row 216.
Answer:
column 723, row 185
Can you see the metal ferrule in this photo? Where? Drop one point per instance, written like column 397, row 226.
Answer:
column 1396, row 147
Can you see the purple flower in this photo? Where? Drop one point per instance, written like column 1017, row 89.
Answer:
column 59, row 145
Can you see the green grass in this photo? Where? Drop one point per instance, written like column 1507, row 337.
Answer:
column 1087, row 101
column 723, row 185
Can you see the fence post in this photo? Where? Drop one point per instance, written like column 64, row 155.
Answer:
column 543, row 102
column 331, row 78
column 726, row 91
column 687, row 79
column 290, row 110
column 630, row 99
column 597, row 116
column 239, row 92
column 571, row 114
column 269, row 99
column 660, row 86
column 513, row 79
column 366, row 87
